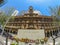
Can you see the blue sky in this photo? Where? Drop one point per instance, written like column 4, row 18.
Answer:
column 41, row 5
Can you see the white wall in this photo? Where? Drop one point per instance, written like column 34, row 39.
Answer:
column 31, row 34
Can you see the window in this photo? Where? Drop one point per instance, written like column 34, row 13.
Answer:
column 23, row 21
column 30, row 26
column 38, row 21
column 20, row 20
column 27, row 21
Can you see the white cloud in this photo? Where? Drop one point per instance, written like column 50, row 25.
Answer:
column 38, row 12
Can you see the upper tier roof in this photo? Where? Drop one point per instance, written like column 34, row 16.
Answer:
column 32, row 13
column 31, row 10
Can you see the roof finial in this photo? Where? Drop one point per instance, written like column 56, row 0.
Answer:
column 30, row 9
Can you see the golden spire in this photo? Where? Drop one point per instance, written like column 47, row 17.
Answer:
column 30, row 9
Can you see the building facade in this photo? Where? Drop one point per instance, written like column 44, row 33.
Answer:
column 32, row 20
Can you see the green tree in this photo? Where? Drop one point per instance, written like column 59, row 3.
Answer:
column 3, row 18
column 55, row 13
column 9, row 11
column 5, row 15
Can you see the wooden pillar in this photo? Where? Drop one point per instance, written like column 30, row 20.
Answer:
column 45, row 33
column 35, row 26
column 22, row 26
column 54, row 32
column 26, row 25
column 48, row 34
column 58, row 30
